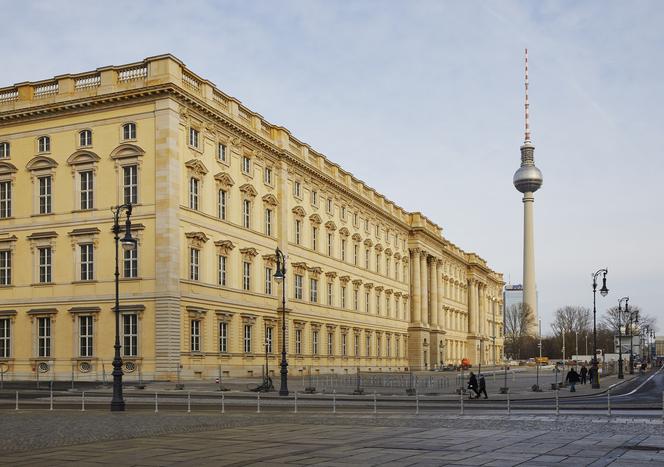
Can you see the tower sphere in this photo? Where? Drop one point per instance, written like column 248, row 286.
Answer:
column 528, row 178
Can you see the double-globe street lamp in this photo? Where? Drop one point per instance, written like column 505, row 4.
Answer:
column 280, row 277
column 128, row 244
column 621, row 375
column 604, row 291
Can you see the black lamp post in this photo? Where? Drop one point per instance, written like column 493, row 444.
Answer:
column 633, row 319
column 604, row 291
column 128, row 244
column 280, row 277
column 621, row 375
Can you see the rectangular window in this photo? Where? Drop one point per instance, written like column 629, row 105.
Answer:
column 356, row 253
column 246, row 213
column 268, row 281
column 194, row 256
column 366, row 258
column 343, row 250
column 356, row 299
column 87, row 261
column 221, row 201
column 130, row 184
column 297, row 189
column 368, row 346
column 330, row 242
column 195, row 335
column 45, row 195
column 344, row 349
column 343, row 296
column 314, row 342
column 267, row 176
column 378, row 262
column 246, row 275
column 377, row 346
column 268, row 339
column 4, row 150
column 85, row 336
column 223, row 337
column 314, row 238
column 44, row 144
column 193, row 193
column 129, row 131
column 330, row 294
column 330, row 343
column 388, row 347
column 246, row 164
column 87, row 189
column 221, row 277
column 130, row 263
column 247, row 338
column 44, row 337
column 5, row 199
column 377, row 303
column 366, row 224
column 367, row 298
column 314, row 197
column 355, row 219
column 221, row 152
column 298, row 231
column 5, row 338
column 268, row 222
column 298, row 341
column 329, row 205
column 5, row 267
column 298, row 286
column 130, row 335
column 343, row 212
column 45, row 265
column 356, row 345
column 313, row 290
column 193, row 137
column 387, row 265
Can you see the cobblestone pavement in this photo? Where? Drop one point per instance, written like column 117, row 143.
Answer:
column 96, row 439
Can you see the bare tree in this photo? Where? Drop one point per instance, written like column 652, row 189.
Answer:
column 519, row 322
column 610, row 318
column 569, row 321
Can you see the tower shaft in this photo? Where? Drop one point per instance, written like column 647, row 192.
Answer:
column 529, row 289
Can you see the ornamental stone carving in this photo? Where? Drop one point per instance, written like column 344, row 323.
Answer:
column 197, row 239
column 224, row 179
column 224, row 246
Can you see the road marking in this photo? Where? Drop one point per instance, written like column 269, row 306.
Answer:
column 641, row 385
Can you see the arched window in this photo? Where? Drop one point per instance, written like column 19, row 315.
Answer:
column 129, row 131
column 85, row 138
column 44, row 144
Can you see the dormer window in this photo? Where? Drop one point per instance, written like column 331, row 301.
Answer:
column 129, row 131
column 85, row 138
column 4, row 150
column 44, row 144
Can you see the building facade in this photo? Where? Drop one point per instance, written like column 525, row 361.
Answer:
column 215, row 189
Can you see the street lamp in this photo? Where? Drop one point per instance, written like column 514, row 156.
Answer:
column 280, row 277
column 604, row 291
column 128, row 244
column 633, row 319
column 621, row 375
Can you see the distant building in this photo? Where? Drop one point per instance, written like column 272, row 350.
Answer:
column 659, row 346
column 512, row 295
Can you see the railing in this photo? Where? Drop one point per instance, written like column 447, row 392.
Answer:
column 191, row 82
column 130, row 74
column 87, row 82
column 9, row 96
column 46, row 90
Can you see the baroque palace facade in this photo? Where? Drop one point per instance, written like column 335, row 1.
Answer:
column 215, row 189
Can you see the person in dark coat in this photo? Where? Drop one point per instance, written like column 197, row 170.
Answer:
column 572, row 378
column 584, row 374
column 482, row 387
column 472, row 385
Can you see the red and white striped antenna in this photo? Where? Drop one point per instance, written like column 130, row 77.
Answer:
column 527, row 135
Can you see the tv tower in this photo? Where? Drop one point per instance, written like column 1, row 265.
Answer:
column 528, row 179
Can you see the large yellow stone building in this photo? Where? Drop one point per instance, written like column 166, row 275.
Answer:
column 215, row 190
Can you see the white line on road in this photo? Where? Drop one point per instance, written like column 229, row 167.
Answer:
column 641, row 385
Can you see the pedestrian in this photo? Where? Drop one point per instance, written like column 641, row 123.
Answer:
column 482, row 387
column 572, row 378
column 584, row 374
column 472, row 385
column 592, row 374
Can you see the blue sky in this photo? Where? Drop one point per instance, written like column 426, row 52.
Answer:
column 409, row 95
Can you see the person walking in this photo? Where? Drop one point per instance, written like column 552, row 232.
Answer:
column 584, row 374
column 472, row 385
column 482, row 387
column 572, row 378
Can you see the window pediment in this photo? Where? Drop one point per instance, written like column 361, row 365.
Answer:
column 225, row 246
column 41, row 163
column 127, row 150
column 330, row 225
column 83, row 157
column 196, row 166
column 357, row 237
column 368, row 242
column 197, row 239
column 7, row 169
column 315, row 219
column 249, row 190
column 270, row 199
column 344, row 232
column 299, row 211
column 224, row 179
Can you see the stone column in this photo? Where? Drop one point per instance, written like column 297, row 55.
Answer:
column 415, row 288
column 433, row 291
column 472, row 306
column 424, row 289
column 439, row 292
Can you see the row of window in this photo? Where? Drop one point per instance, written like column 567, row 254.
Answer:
column 85, row 188
column 392, row 347
column 85, row 336
column 84, row 140
column 44, row 266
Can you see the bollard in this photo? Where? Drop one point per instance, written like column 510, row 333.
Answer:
column 509, row 409
column 51, row 407
column 295, row 411
column 374, row 402
column 189, row 402
column 608, row 402
column 17, row 400
column 461, row 403
column 223, row 405
column 156, row 403
column 258, row 402
column 417, row 404
column 334, row 401
column 557, row 403
column 83, row 401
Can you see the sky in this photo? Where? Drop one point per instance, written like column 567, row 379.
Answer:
column 423, row 100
